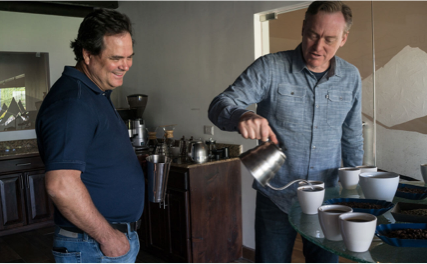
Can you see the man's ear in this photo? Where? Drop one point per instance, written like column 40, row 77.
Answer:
column 344, row 39
column 86, row 56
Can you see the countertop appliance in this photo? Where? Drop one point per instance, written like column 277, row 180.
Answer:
column 133, row 118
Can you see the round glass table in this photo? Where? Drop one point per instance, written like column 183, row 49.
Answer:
column 309, row 227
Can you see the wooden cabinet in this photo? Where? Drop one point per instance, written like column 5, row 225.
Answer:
column 24, row 203
column 202, row 217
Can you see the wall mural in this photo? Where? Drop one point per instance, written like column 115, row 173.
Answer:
column 401, row 93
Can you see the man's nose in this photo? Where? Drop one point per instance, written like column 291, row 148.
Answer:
column 318, row 44
column 125, row 65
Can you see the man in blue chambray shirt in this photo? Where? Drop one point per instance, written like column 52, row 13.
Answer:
column 309, row 103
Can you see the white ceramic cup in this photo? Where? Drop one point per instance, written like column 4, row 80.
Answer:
column 349, row 177
column 357, row 236
column 328, row 218
column 367, row 168
column 379, row 185
column 424, row 172
column 309, row 199
column 313, row 183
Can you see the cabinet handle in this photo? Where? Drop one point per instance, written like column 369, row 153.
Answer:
column 22, row 182
column 23, row 164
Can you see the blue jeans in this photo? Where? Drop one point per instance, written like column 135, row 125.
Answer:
column 82, row 248
column 275, row 237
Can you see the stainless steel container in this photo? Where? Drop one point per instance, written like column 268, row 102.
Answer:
column 158, row 172
column 198, row 151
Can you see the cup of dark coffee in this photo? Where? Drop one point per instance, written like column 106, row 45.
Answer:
column 349, row 177
column 328, row 218
column 357, row 230
column 310, row 198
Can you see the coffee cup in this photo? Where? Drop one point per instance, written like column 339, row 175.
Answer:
column 313, row 183
column 349, row 177
column 424, row 172
column 310, row 198
column 367, row 168
column 357, row 230
column 328, row 218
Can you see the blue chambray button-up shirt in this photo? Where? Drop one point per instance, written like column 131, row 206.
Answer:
column 317, row 123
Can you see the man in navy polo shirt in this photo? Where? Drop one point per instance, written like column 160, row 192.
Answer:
column 92, row 173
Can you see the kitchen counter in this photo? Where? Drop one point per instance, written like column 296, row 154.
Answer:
column 18, row 148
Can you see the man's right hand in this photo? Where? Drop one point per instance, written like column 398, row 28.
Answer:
column 254, row 126
column 116, row 246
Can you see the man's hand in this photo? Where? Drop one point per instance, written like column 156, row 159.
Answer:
column 117, row 246
column 73, row 200
column 254, row 126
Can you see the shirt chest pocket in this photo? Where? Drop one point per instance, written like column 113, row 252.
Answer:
column 290, row 103
column 338, row 105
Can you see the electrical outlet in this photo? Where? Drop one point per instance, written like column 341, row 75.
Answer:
column 209, row 130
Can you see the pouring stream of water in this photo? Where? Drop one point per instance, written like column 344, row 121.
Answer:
column 289, row 184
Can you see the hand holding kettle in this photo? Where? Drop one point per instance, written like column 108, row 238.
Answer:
column 254, row 126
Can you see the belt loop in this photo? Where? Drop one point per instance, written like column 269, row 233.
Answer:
column 129, row 229
column 85, row 237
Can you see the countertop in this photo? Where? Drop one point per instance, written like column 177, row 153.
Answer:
column 26, row 148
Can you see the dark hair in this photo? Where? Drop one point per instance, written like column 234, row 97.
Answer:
column 99, row 23
column 331, row 7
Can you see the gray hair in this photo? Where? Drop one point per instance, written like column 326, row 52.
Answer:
column 331, row 7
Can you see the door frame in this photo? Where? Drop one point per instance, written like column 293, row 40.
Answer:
column 261, row 26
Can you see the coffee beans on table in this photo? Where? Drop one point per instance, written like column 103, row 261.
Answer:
column 409, row 233
column 418, row 212
column 362, row 205
column 412, row 190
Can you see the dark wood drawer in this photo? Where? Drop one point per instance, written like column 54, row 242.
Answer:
column 21, row 164
column 178, row 179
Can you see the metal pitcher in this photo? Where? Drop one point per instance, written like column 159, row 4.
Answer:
column 158, row 171
column 198, row 151
column 263, row 162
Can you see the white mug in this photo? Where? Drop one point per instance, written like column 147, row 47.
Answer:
column 328, row 218
column 424, row 172
column 357, row 230
column 367, row 168
column 349, row 177
column 310, row 199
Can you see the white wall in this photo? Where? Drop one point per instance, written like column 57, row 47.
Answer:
column 38, row 33
column 186, row 53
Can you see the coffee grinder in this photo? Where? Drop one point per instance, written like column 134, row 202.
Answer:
column 135, row 122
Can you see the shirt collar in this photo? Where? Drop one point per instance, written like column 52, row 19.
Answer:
column 76, row 74
column 298, row 63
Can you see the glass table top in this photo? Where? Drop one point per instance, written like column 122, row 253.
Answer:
column 309, row 227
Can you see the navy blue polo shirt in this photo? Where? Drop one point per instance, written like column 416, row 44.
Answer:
column 78, row 128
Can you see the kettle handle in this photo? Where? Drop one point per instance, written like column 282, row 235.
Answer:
column 286, row 186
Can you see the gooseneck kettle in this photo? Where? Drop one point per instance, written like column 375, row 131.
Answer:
column 264, row 161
